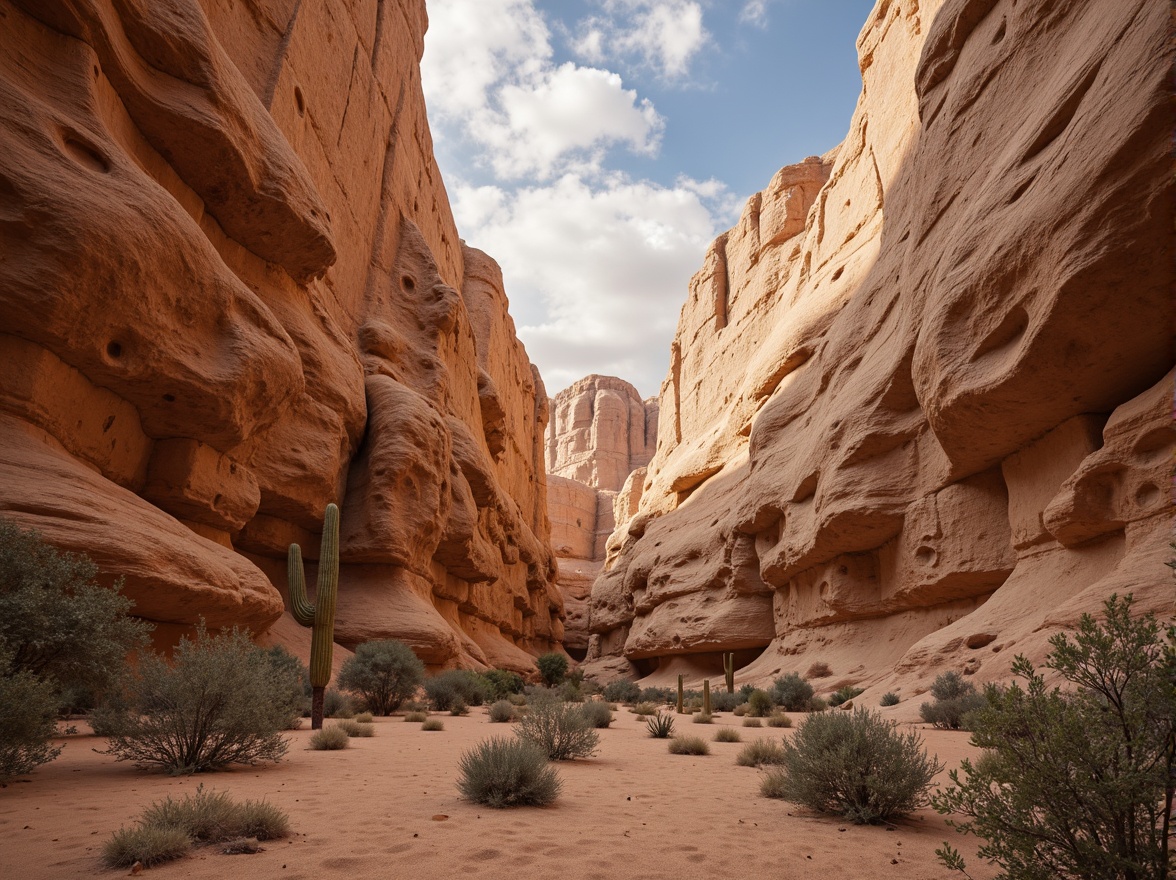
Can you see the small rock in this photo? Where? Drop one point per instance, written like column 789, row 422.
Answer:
column 440, row 817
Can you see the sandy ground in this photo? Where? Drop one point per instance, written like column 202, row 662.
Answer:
column 388, row 807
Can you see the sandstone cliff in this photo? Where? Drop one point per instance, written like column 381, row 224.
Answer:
column 600, row 438
column 918, row 414
column 233, row 292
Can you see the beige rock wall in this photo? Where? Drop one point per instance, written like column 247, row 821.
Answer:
column 919, row 400
column 233, row 293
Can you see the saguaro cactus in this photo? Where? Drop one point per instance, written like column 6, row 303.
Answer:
column 729, row 670
column 680, row 693
column 706, row 696
column 319, row 615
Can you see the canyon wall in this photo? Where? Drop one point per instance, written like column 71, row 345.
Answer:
column 233, row 293
column 919, row 410
column 599, row 440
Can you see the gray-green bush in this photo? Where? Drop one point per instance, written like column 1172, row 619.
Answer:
column 26, row 721
column 622, row 691
column 890, row 698
column 855, row 765
column 689, row 745
column 506, row 772
column 759, row 752
column 330, row 739
column 843, row 695
column 759, row 704
column 147, row 846
column 596, row 713
column 792, row 692
column 501, row 712
column 954, row 699
column 727, row 735
column 383, row 673
column 456, row 686
column 553, row 666
column 559, row 729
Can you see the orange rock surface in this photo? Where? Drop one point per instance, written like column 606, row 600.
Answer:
column 234, row 292
column 918, row 414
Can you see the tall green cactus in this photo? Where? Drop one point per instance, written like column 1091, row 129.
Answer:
column 319, row 615
column 706, row 696
column 729, row 670
column 680, row 707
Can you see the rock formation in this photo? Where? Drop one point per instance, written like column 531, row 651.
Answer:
column 918, row 414
column 233, row 292
column 600, row 438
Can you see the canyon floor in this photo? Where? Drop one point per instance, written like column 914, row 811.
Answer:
column 388, row 806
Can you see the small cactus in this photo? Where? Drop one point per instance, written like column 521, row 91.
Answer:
column 729, row 671
column 320, row 614
column 679, row 693
column 706, row 706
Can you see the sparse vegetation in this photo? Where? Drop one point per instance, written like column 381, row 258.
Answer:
column 221, row 701
column 503, row 683
column 954, row 699
column 383, row 673
column 854, row 765
column 658, row 695
column 506, row 772
column 689, row 745
column 433, row 724
column 759, row 704
column 330, row 739
column 740, row 710
column 337, row 704
column 752, row 722
column 26, row 721
column 364, row 718
column 456, row 686
column 354, row 728
column 818, row 670
column 660, row 726
column 779, row 719
column 703, row 718
column 759, row 752
column 458, row 708
column 890, row 698
column 559, row 729
column 147, row 846
column 843, row 695
column 596, row 713
column 415, row 717
column 1099, row 806
column 792, row 693
column 622, row 691
column 645, row 709
column 553, row 667
column 727, row 735
column 722, row 701
column 501, row 712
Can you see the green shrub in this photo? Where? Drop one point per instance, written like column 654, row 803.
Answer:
column 721, row 701
column 293, row 671
column 740, row 710
column 415, row 717
column 148, row 846
column 507, row 773
column 570, row 692
column 458, row 707
column 501, row 712
column 364, row 718
column 383, row 673
column 689, row 745
column 759, row 704
column 1096, row 805
column 645, row 709
column 727, row 735
column 220, row 701
column 596, row 713
column 502, row 683
column 660, row 726
column 954, row 698
column 843, row 695
column 552, row 667
column 855, row 765
column 746, row 691
column 779, row 720
column 262, row 820
column 819, row 670
column 26, row 721
column 622, row 691
column 560, row 730
column 703, row 718
column 456, row 685
column 890, row 698
column 433, row 724
column 792, row 692
column 330, row 739
column 354, row 728
column 759, row 752
column 517, row 699
column 337, row 704
column 816, row 704
column 659, row 695
column 752, row 722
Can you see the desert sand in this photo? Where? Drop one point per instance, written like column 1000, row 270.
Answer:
column 388, row 807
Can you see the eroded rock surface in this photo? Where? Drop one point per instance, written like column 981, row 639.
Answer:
column 919, row 399
column 233, row 293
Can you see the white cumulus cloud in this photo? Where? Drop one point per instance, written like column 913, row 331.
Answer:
column 665, row 35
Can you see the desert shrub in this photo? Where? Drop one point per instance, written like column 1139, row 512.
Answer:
column 819, row 669
column 458, row 707
column 759, row 752
column 262, row 820
column 596, row 713
column 723, row 701
column 759, row 704
column 570, row 692
column 221, row 701
column 660, row 726
column 752, row 722
column 330, row 739
column 354, row 728
column 337, row 704
column 779, row 720
column 816, row 704
column 505, row 772
column 645, row 709
column 703, row 718
column 383, row 673
column 502, row 683
column 148, row 846
column 792, row 692
column 433, row 724
column 553, row 667
column 518, row 699
column 954, row 698
column 1097, row 806
column 560, row 730
column 659, row 695
column 890, row 698
column 501, row 712
column 689, row 745
column 740, row 710
column 293, row 671
column 364, row 718
column 727, row 735
column 622, row 691
column 26, row 721
column 745, row 691
column 843, row 695
column 855, row 765
column 456, row 685
column 415, row 717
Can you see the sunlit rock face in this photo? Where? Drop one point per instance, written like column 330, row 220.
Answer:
column 599, row 440
column 233, row 293
column 918, row 412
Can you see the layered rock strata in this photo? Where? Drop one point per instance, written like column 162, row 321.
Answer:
column 600, row 438
column 918, row 415
column 233, row 293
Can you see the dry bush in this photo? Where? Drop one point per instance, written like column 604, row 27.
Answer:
column 506, row 772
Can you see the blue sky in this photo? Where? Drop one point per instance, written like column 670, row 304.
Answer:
column 595, row 147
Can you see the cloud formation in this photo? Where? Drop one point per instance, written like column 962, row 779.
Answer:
column 664, row 35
